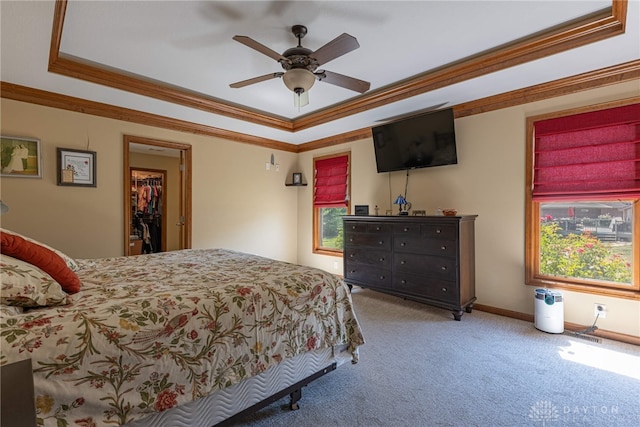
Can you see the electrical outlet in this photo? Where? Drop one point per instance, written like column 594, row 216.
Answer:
column 600, row 310
column 267, row 166
column 277, row 167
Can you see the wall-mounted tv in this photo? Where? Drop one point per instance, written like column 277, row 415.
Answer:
column 420, row 141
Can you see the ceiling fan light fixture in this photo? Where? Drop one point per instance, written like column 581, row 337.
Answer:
column 298, row 79
column 300, row 98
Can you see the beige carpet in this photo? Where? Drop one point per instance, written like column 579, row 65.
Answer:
column 419, row 367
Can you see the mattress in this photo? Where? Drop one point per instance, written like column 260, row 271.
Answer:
column 217, row 407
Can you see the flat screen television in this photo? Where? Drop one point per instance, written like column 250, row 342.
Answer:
column 420, row 141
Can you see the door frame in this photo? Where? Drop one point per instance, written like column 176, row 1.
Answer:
column 185, row 187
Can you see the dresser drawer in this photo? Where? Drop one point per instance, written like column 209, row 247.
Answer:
column 419, row 245
column 440, row 231
column 441, row 290
column 378, row 227
column 409, row 229
column 356, row 227
column 369, row 240
column 432, row 266
column 380, row 259
column 367, row 227
column 368, row 276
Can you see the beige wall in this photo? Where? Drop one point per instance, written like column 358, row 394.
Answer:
column 489, row 180
column 237, row 204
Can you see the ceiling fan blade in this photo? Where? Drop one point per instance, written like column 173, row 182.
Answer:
column 259, row 79
column 343, row 81
column 335, row 48
column 248, row 41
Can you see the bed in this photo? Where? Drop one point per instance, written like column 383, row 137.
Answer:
column 184, row 338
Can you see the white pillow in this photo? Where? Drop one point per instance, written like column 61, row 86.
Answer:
column 25, row 285
column 71, row 263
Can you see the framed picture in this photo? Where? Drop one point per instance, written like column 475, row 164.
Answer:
column 76, row 167
column 297, row 178
column 21, row 157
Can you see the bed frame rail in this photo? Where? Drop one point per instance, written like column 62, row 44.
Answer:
column 294, row 391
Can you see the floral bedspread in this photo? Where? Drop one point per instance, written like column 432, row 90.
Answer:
column 151, row 332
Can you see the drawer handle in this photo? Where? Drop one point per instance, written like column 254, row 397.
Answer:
column 352, row 271
column 403, row 244
column 377, row 228
column 403, row 262
column 353, row 227
column 381, row 277
column 352, row 255
column 381, row 259
column 406, row 229
column 381, row 242
column 404, row 282
column 444, row 267
column 443, row 247
column 351, row 239
column 444, row 289
column 438, row 231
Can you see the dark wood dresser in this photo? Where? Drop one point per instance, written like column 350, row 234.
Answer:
column 430, row 259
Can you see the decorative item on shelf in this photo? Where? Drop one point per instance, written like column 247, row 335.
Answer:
column 296, row 180
column 417, row 212
column 449, row 212
column 403, row 205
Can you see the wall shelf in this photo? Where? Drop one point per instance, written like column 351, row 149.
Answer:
column 296, row 180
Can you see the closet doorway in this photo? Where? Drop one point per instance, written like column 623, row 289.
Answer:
column 148, row 211
column 157, row 195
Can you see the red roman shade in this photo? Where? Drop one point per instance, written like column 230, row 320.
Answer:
column 594, row 155
column 331, row 178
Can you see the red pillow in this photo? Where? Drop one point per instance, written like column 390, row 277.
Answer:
column 43, row 258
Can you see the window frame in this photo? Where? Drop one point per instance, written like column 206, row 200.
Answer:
column 317, row 248
column 532, row 226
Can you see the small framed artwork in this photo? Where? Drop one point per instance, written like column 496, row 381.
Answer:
column 21, row 157
column 297, row 178
column 76, row 167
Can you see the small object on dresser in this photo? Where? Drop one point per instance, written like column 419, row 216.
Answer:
column 420, row 212
column 450, row 212
column 362, row 210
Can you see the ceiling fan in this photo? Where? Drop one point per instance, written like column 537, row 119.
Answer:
column 301, row 65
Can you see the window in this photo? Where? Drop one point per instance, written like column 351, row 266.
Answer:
column 330, row 202
column 582, row 205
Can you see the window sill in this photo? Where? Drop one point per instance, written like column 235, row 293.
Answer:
column 632, row 294
column 336, row 253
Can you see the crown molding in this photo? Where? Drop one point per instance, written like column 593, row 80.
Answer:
column 84, row 106
column 621, row 73
column 598, row 26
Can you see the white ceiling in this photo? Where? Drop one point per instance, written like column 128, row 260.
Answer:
column 188, row 44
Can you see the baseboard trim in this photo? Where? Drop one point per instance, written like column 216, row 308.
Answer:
column 574, row 327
